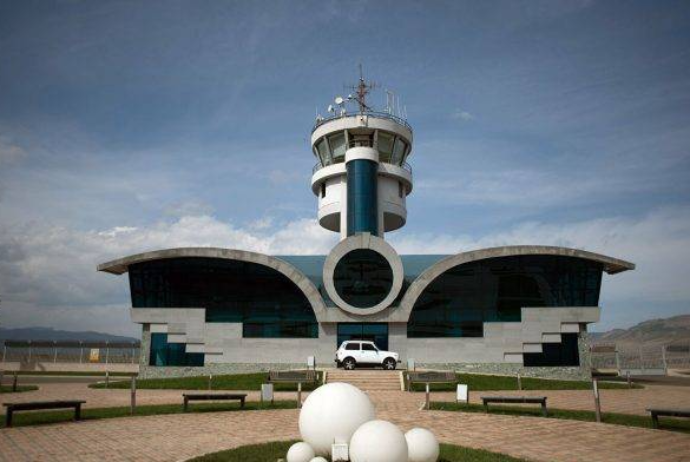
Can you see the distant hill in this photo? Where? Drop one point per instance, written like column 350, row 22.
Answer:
column 655, row 331
column 50, row 334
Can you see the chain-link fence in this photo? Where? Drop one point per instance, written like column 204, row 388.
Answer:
column 640, row 357
column 70, row 352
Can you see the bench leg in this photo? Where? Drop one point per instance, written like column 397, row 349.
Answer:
column 242, row 402
column 655, row 420
column 185, row 405
column 543, row 409
column 486, row 407
column 8, row 418
column 77, row 412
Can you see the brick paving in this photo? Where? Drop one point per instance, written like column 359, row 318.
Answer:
column 178, row 437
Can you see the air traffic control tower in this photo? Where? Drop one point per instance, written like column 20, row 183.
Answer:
column 362, row 176
column 362, row 179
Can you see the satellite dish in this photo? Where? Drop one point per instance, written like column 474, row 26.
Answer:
column 330, row 108
column 339, row 100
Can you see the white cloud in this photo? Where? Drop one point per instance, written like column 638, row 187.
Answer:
column 9, row 151
column 465, row 116
column 48, row 274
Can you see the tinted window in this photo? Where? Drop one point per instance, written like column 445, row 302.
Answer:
column 457, row 303
column 172, row 354
column 376, row 332
column 264, row 300
column 363, row 278
column 555, row 354
column 362, row 197
column 368, row 347
column 352, row 346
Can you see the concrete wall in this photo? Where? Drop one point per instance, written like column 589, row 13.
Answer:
column 499, row 351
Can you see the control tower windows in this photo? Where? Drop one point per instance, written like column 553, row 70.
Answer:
column 324, row 155
column 385, row 147
column 398, row 152
column 337, row 144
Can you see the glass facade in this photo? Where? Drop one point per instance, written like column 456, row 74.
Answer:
column 172, row 354
column 263, row 299
column 363, row 278
column 375, row 332
column 458, row 302
column 362, row 197
column 555, row 354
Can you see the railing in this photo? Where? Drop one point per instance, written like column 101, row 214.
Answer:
column 69, row 352
column 405, row 166
column 380, row 115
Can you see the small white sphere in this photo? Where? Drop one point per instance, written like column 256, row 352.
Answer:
column 422, row 445
column 332, row 413
column 318, row 459
column 300, row 452
column 378, row 441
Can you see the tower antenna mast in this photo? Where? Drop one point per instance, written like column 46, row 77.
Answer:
column 361, row 90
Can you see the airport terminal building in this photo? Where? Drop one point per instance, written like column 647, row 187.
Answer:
column 214, row 310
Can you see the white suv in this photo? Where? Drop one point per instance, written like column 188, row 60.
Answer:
column 355, row 352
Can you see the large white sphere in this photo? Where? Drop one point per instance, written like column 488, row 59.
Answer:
column 422, row 445
column 300, row 452
column 332, row 413
column 318, row 459
column 378, row 441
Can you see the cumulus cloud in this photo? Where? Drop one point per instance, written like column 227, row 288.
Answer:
column 48, row 273
column 465, row 116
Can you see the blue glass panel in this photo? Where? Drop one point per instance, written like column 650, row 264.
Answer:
column 231, row 291
column 565, row 353
column 172, row 354
column 363, row 278
column 457, row 303
column 375, row 332
column 362, row 197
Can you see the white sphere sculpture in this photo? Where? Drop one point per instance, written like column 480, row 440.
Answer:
column 422, row 445
column 318, row 459
column 332, row 413
column 378, row 441
column 300, row 452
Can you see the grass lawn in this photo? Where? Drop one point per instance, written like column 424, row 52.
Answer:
column 220, row 382
column 679, row 425
column 477, row 382
column 22, row 419
column 274, row 451
column 20, row 388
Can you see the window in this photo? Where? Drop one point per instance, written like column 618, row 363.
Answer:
column 325, row 156
column 323, row 190
column 172, row 354
column 461, row 300
column 376, row 332
column 385, row 147
column 352, row 346
column 555, row 354
column 363, row 278
column 266, row 301
column 398, row 151
column 338, row 148
column 362, row 197
column 368, row 347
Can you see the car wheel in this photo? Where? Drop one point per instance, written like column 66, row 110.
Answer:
column 349, row 364
column 389, row 364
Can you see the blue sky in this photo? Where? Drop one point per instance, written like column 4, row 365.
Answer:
column 128, row 126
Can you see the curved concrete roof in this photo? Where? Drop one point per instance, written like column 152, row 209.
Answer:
column 121, row 265
column 611, row 266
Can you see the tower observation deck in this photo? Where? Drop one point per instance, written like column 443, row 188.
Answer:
column 362, row 177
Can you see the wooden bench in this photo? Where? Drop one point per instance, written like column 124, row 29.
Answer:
column 212, row 397
column 40, row 405
column 515, row 400
column 656, row 412
column 298, row 377
column 428, row 377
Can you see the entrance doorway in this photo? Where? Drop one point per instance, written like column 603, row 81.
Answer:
column 375, row 332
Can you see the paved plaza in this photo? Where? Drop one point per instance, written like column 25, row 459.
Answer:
column 178, row 437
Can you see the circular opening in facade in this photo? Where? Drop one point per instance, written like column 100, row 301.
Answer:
column 363, row 278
